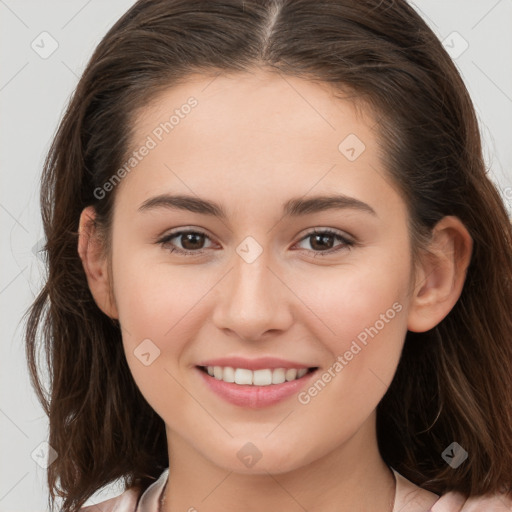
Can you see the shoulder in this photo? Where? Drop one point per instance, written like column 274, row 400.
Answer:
column 411, row 498
column 456, row 502
column 125, row 502
column 133, row 499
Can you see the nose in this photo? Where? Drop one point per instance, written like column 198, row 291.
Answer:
column 253, row 301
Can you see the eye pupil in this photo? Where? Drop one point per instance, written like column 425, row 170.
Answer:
column 323, row 238
column 191, row 237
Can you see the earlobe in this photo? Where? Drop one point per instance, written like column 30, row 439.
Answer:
column 95, row 262
column 441, row 275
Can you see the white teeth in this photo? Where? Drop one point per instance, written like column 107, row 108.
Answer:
column 242, row 376
column 278, row 376
column 228, row 374
column 291, row 374
column 264, row 377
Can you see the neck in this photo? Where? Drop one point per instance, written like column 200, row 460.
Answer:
column 351, row 477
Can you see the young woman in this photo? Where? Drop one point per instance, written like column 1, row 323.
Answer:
column 279, row 276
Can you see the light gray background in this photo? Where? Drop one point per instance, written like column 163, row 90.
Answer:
column 33, row 95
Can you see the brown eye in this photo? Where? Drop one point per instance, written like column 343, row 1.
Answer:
column 192, row 242
column 323, row 242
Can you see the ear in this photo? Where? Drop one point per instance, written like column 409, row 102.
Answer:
column 440, row 275
column 95, row 262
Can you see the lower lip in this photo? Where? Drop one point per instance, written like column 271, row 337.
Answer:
column 254, row 397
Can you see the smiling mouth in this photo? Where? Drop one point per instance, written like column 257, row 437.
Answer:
column 262, row 377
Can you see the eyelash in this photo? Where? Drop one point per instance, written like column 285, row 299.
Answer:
column 346, row 243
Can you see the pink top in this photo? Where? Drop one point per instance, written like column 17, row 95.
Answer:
column 408, row 498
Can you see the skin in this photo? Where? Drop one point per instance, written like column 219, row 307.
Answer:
column 254, row 141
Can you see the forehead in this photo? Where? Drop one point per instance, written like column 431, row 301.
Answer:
column 260, row 134
column 268, row 102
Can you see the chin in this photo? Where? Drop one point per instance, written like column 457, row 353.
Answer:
column 261, row 457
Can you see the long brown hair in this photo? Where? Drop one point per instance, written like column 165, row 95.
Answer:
column 453, row 383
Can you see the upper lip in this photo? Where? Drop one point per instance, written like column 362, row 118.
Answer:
column 259, row 363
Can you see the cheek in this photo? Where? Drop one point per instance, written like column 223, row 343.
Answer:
column 158, row 316
column 352, row 302
column 161, row 309
column 361, row 319
column 155, row 299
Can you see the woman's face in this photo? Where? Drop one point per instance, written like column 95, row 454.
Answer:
column 266, row 151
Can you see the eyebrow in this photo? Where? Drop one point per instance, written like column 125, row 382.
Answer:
column 293, row 208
